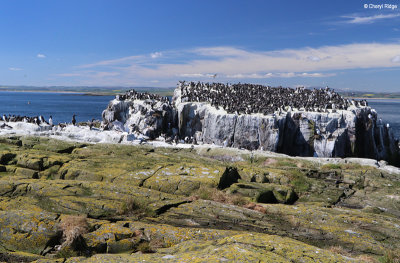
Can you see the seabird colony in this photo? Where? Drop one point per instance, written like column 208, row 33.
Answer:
column 17, row 118
column 134, row 95
column 39, row 120
column 252, row 98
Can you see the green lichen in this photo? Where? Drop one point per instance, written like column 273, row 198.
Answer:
column 168, row 199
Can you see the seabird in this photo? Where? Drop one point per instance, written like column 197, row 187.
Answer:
column 250, row 98
column 90, row 124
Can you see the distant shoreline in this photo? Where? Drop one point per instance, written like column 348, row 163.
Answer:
column 377, row 98
column 86, row 93
column 83, row 93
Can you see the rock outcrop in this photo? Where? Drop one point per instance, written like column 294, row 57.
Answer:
column 149, row 116
column 354, row 131
column 154, row 204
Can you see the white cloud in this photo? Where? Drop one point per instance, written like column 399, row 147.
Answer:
column 197, row 75
column 119, row 61
column 281, row 75
column 69, row 74
column 156, row 55
column 105, row 74
column 89, row 74
column 192, row 75
column 235, row 63
column 314, row 58
column 41, row 55
column 316, row 75
column 368, row 19
column 396, row 59
column 223, row 51
column 351, row 56
column 15, row 69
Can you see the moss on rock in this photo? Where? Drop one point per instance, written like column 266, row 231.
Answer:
column 140, row 198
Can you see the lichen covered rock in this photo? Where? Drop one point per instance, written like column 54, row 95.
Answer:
column 27, row 231
column 202, row 204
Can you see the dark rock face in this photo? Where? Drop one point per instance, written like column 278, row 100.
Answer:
column 375, row 140
column 351, row 131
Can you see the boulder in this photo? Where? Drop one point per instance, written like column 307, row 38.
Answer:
column 148, row 117
column 27, row 231
column 265, row 193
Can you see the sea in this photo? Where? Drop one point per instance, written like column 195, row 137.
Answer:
column 63, row 105
column 389, row 111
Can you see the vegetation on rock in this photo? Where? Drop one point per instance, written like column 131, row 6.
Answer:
column 106, row 203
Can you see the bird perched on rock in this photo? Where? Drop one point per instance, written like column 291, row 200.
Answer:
column 90, row 124
column 41, row 120
column 253, row 98
column 169, row 140
column 5, row 126
column 36, row 121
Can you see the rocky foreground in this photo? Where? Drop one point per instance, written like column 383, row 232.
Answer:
column 75, row 202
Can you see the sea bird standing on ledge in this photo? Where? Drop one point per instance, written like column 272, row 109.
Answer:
column 90, row 124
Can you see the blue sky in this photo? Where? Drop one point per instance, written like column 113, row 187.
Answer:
column 156, row 43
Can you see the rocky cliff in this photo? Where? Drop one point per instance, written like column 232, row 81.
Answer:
column 150, row 117
column 352, row 132
column 344, row 133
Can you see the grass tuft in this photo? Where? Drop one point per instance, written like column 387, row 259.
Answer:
column 145, row 247
column 73, row 227
column 208, row 193
column 331, row 166
column 299, row 181
column 339, row 250
column 216, row 195
column 390, row 256
column 135, row 206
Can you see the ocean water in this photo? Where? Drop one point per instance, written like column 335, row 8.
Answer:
column 60, row 105
column 389, row 111
column 63, row 105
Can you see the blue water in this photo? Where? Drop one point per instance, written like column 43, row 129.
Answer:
column 63, row 105
column 60, row 105
column 389, row 111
